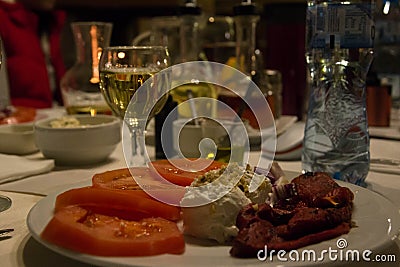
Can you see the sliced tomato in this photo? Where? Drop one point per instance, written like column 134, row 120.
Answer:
column 117, row 179
column 18, row 115
column 85, row 231
column 121, row 179
column 183, row 176
column 130, row 205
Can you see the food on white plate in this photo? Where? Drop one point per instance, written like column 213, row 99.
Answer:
column 277, row 172
column 116, row 213
column 278, row 214
column 65, row 122
column 113, row 217
column 15, row 115
column 310, row 209
column 86, row 231
column 217, row 220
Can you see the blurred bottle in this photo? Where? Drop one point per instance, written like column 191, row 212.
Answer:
column 272, row 89
column 189, row 50
column 160, row 119
column 379, row 101
column 339, row 54
column 80, row 85
column 165, row 32
column 248, row 59
column 219, row 39
column 387, row 49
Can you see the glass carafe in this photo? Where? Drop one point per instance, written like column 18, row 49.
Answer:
column 80, row 85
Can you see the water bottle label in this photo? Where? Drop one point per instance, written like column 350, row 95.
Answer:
column 342, row 25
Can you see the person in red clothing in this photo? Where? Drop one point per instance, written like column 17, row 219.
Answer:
column 31, row 32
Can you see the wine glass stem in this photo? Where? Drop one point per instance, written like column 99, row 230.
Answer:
column 138, row 148
column 139, row 156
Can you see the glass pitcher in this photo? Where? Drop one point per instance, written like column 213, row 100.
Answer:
column 80, row 84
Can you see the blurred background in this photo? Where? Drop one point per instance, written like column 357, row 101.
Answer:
column 280, row 36
column 280, row 33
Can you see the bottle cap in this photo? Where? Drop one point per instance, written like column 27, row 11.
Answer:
column 189, row 8
column 247, row 7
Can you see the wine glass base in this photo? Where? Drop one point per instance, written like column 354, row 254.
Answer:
column 5, row 203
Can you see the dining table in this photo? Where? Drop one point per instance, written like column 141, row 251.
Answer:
column 18, row 248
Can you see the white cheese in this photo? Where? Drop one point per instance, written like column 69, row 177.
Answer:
column 216, row 220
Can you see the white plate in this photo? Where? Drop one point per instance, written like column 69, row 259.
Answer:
column 376, row 217
column 283, row 123
column 281, row 126
column 392, row 132
column 289, row 144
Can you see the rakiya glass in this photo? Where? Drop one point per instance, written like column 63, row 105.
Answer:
column 123, row 70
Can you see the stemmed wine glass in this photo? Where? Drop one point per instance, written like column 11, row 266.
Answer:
column 123, row 70
column 5, row 202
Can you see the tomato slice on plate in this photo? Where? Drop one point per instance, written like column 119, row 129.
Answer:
column 85, row 231
column 129, row 205
column 121, row 179
column 118, row 179
column 16, row 115
column 183, row 176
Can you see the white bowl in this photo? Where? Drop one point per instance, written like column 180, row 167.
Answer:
column 91, row 142
column 17, row 139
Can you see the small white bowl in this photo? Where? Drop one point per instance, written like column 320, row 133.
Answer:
column 91, row 142
column 17, row 139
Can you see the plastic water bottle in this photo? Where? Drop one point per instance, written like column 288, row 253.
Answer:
column 339, row 53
